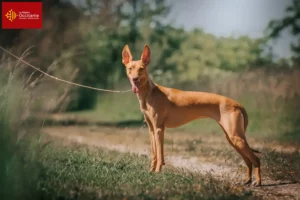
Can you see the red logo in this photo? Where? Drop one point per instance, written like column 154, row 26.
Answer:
column 21, row 15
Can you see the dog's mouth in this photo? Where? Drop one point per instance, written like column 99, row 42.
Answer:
column 135, row 85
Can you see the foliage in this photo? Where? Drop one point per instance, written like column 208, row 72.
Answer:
column 202, row 51
column 18, row 169
column 133, row 23
column 291, row 22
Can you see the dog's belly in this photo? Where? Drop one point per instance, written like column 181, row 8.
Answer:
column 176, row 119
column 174, row 124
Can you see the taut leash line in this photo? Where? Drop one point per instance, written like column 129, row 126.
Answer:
column 61, row 80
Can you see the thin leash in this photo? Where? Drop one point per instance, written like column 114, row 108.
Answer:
column 62, row 80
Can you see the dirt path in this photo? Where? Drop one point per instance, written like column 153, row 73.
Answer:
column 181, row 151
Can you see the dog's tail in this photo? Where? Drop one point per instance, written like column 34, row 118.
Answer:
column 245, row 116
column 255, row 151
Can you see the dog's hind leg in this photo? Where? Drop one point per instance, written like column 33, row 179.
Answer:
column 233, row 125
column 246, row 160
column 241, row 144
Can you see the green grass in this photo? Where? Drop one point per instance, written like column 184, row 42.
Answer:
column 18, row 167
column 94, row 173
column 113, row 108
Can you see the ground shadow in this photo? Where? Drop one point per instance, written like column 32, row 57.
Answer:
column 278, row 184
column 82, row 122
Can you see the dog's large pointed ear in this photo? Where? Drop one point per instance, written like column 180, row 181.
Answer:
column 146, row 55
column 126, row 55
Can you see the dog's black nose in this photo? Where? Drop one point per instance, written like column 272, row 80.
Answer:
column 135, row 79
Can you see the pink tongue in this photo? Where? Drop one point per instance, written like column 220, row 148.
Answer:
column 134, row 88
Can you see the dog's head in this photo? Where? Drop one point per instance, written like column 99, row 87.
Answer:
column 136, row 69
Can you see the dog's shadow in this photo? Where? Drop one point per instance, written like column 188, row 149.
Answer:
column 278, row 184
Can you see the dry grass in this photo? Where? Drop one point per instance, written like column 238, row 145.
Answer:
column 280, row 84
column 283, row 166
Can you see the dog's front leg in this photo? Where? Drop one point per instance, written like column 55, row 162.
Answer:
column 159, row 136
column 152, row 143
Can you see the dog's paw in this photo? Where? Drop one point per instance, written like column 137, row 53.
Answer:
column 256, row 184
column 151, row 169
column 158, row 169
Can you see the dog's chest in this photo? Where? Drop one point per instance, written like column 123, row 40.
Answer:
column 146, row 109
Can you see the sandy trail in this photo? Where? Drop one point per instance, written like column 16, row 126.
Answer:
column 137, row 142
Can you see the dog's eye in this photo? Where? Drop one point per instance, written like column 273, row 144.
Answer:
column 141, row 69
column 129, row 68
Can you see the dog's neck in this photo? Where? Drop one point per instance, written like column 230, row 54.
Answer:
column 145, row 89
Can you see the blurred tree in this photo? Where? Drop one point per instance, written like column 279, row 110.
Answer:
column 52, row 47
column 89, row 36
column 111, row 25
column 58, row 34
column 290, row 21
column 99, row 49
column 201, row 51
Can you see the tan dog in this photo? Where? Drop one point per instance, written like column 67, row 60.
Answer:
column 168, row 108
